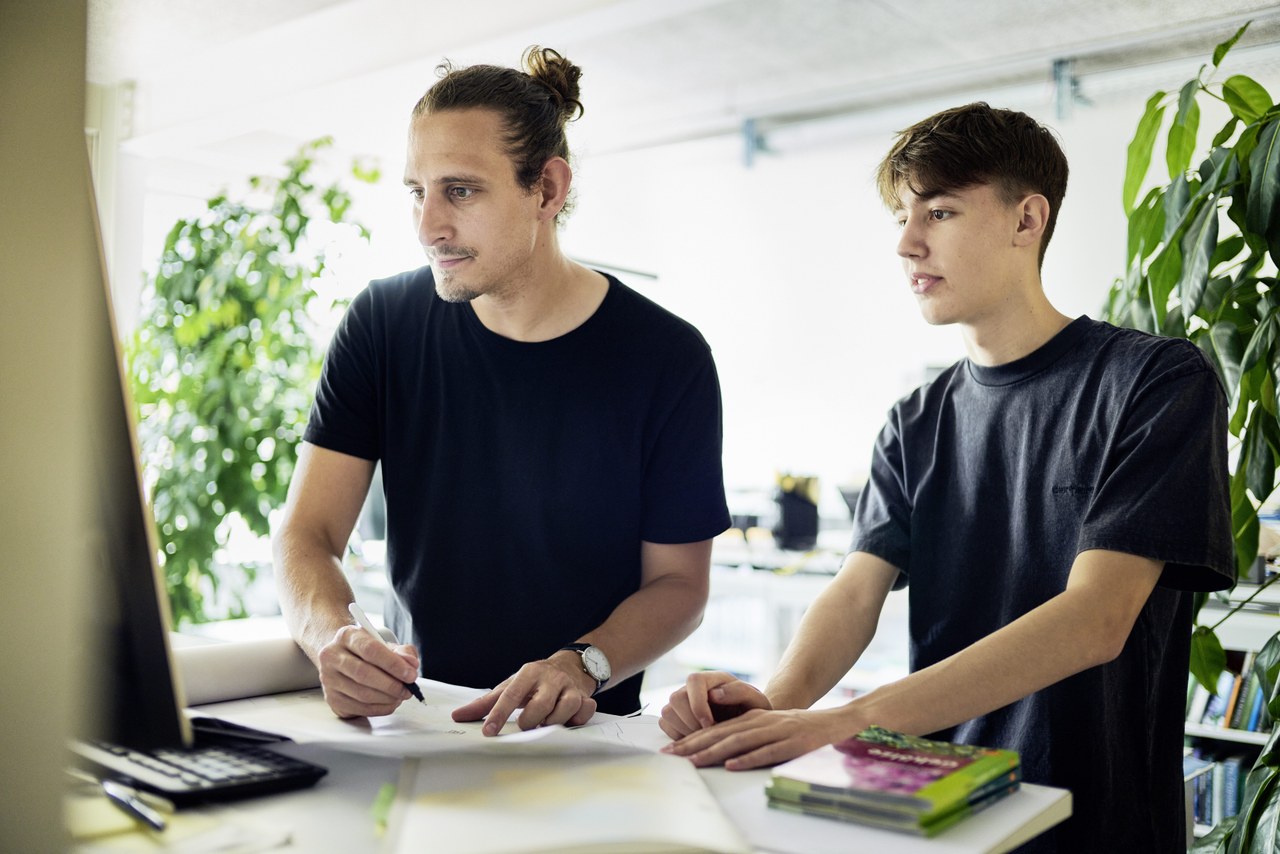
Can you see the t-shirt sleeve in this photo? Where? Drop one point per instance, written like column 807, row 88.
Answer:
column 1165, row 491
column 344, row 415
column 684, row 499
column 882, row 516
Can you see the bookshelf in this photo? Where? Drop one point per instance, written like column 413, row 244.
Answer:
column 1223, row 748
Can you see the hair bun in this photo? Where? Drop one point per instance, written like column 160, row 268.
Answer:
column 558, row 74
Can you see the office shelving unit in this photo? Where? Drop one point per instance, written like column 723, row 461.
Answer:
column 1247, row 630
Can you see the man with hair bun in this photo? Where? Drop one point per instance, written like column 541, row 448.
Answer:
column 1051, row 503
column 549, row 438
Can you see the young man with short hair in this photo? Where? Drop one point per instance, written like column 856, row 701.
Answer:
column 549, row 439
column 1049, row 502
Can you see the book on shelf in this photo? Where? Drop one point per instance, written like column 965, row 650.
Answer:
column 1198, row 701
column 1240, row 700
column 1216, row 785
column 891, row 780
column 1232, row 769
column 1196, row 772
column 1216, row 711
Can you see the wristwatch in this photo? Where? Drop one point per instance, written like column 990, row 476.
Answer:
column 594, row 661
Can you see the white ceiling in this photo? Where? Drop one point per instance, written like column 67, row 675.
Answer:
column 233, row 80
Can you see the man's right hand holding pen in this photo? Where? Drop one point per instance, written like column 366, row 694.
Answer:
column 362, row 676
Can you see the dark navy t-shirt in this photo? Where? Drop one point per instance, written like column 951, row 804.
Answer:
column 521, row 478
column 985, row 486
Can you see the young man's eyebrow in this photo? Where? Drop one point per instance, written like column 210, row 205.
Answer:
column 934, row 195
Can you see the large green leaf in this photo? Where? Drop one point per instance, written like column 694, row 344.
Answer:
column 1259, row 797
column 1251, row 382
column 1270, row 755
column 1177, row 196
column 1260, row 344
column 1267, row 665
column 1182, row 133
column 1220, row 169
column 1198, row 245
column 1266, row 828
column 1260, row 463
column 1216, row 840
column 1245, row 97
column 1221, row 50
column 1162, row 277
column 1147, row 223
column 1225, row 134
column 1225, row 350
column 1264, row 182
column 1226, row 251
column 1244, row 525
column 1208, row 659
column 1139, row 154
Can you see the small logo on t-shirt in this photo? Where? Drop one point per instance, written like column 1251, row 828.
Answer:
column 1073, row 489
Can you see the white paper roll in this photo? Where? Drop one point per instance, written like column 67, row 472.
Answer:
column 215, row 672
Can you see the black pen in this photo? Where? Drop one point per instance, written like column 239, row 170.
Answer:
column 358, row 613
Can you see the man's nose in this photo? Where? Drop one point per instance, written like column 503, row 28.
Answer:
column 433, row 222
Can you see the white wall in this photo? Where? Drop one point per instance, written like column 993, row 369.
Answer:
column 787, row 267
column 789, row 270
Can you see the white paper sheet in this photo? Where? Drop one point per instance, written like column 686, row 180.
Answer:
column 425, row 730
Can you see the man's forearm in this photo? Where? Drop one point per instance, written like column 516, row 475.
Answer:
column 648, row 624
column 314, row 593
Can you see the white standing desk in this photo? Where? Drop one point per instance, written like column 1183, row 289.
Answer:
column 336, row 814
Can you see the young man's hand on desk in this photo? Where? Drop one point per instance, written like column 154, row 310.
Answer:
column 363, row 677
column 717, row 718
column 706, row 699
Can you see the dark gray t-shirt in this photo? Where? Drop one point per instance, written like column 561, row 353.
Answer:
column 986, row 484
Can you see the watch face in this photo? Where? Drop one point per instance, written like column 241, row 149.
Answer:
column 595, row 663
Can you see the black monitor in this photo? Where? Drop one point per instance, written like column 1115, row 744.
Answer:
column 139, row 701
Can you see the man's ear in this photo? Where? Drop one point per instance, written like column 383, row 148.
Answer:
column 1033, row 218
column 553, row 186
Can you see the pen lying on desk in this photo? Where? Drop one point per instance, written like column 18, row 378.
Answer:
column 358, row 613
column 126, row 798
column 140, row 806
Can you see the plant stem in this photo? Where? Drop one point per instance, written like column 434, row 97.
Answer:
column 1263, row 586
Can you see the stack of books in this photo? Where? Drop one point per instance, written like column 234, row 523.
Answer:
column 900, row 782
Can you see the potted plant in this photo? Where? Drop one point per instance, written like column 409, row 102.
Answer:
column 1191, row 274
column 222, row 367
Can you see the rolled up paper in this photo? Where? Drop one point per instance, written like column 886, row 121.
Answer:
column 214, row 672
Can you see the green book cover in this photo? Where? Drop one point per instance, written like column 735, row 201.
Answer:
column 889, row 769
column 888, row 819
column 838, row 800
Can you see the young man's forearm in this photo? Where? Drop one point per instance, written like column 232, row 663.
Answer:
column 835, row 631
column 1082, row 627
